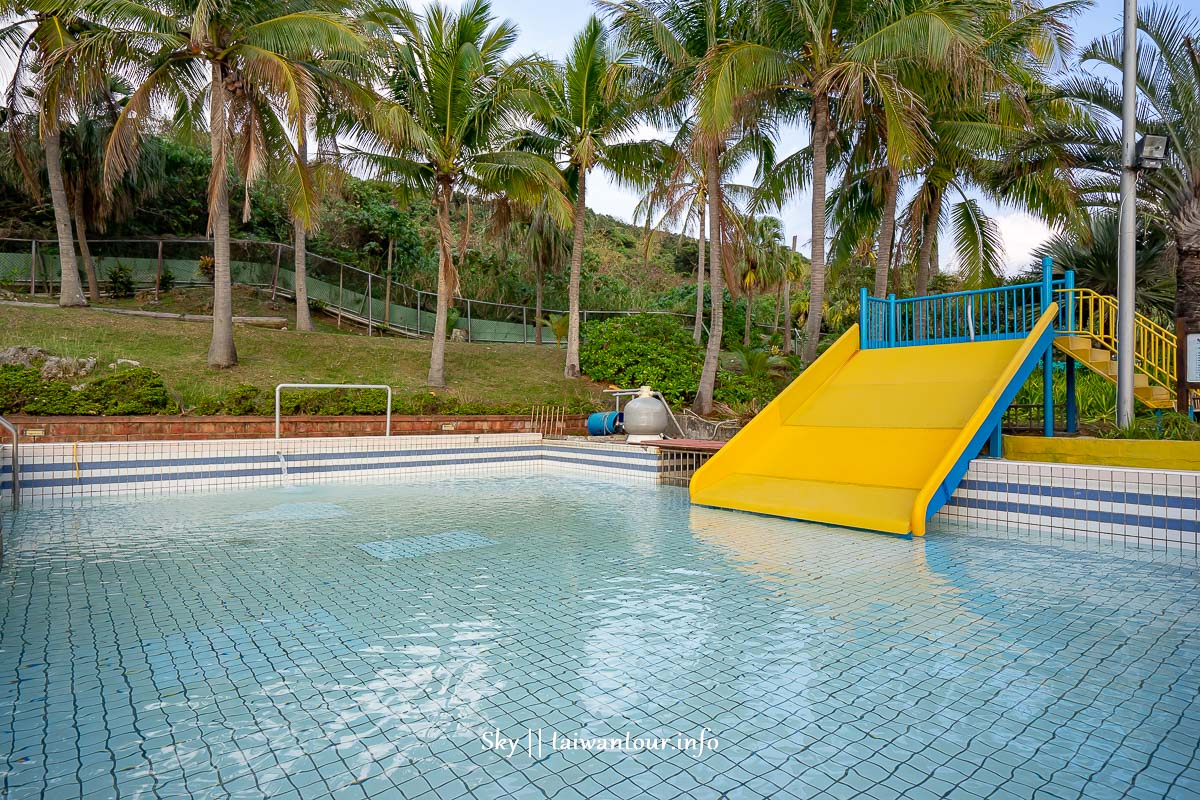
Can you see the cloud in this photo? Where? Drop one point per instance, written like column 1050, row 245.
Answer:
column 1021, row 234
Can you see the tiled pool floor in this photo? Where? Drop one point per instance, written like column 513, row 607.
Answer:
column 287, row 643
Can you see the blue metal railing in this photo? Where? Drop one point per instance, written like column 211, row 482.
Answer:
column 1006, row 312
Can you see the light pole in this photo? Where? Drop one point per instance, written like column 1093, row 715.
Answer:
column 1126, row 277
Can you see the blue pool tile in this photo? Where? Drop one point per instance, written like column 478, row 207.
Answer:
column 177, row 646
column 416, row 546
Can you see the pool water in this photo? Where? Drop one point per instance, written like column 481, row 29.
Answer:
column 392, row 641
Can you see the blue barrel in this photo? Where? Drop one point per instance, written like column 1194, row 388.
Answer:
column 603, row 423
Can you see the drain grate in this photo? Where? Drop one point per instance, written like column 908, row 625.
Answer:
column 414, row 546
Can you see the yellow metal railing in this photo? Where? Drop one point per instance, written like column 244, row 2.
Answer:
column 1094, row 315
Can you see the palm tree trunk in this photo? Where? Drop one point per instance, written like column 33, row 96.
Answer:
column 749, row 314
column 537, row 307
column 816, row 276
column 778, row 308
column 572, row 367
column 221, row 352
column 1187, row 297
column 300, row 232
column 716, row 283
column 928, row 237
column 698, row 325
column 887, row 226
column 787, row 311
column 89, row 265
column 437, row 357
column 70, row 291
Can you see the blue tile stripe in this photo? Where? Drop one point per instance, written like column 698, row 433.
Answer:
column 271, row 458
column 1114, row 518
column 218, row 467
column 1090, row 495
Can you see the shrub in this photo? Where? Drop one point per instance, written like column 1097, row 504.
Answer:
column 244, row 399
column 207, row 267
column 120, row 281
column 166, row 280
column 135, row 391
column 643, row 349
column 736, row 389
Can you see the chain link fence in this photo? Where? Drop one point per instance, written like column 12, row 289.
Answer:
column 32, row 266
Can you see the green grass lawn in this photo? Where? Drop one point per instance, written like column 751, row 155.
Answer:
column 499, row 375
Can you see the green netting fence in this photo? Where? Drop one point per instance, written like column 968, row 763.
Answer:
column 32, row 266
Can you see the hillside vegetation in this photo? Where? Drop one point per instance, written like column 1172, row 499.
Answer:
column 487, row 378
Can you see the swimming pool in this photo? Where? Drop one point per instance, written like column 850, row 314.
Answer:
column 394, row 640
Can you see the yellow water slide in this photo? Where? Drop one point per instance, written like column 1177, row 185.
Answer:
column 875, row 439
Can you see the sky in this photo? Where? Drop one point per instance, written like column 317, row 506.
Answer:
column 548, row 26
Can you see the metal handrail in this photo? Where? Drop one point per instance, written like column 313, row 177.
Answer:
column 16, row 478
column 364, row 317
column 1095, row 317
column 388, row 426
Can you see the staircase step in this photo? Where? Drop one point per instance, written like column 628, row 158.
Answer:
column 1153, row 392
column 1078, row 343
column 1109, row 368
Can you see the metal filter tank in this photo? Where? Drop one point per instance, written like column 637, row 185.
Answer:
column 645, row 414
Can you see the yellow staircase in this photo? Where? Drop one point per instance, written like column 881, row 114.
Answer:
column 1087, row 331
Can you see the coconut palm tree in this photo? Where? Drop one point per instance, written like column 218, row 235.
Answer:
column 820, row 62
column 36, row 38
column 674, row 194
column 765, row 260
column 674, row 42
column 343, row 97
column 1091, row 253
column 984, row 129
column 446, row 126
column 548, row 247
column 1168, row 84
column 248, row 59
column 84, row 140
column 587, row 110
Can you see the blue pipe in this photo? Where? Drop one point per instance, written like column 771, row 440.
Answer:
column 1048, row 359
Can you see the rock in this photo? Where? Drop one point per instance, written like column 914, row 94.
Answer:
column 57, row 368
column 23, row 356
column 128, row 361
column 458, row 335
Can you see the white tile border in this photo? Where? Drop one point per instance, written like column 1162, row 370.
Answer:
column 53, row 472
column 1145, row 508
column 1157, row 508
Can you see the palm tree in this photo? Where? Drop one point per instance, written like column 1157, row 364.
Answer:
column 766, row 261
column 983, row 131
column 84, row 141
column 342, row 79
column 548, row 247
column 672, row 41
column 819, row 62
column 585, row 107
column 38, row 37
column 258, row 89
column 447, row 126
column 1091, row 253
column 1168, row 83
column 673, row 186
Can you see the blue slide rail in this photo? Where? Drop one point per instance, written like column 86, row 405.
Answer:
column 981, row 315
